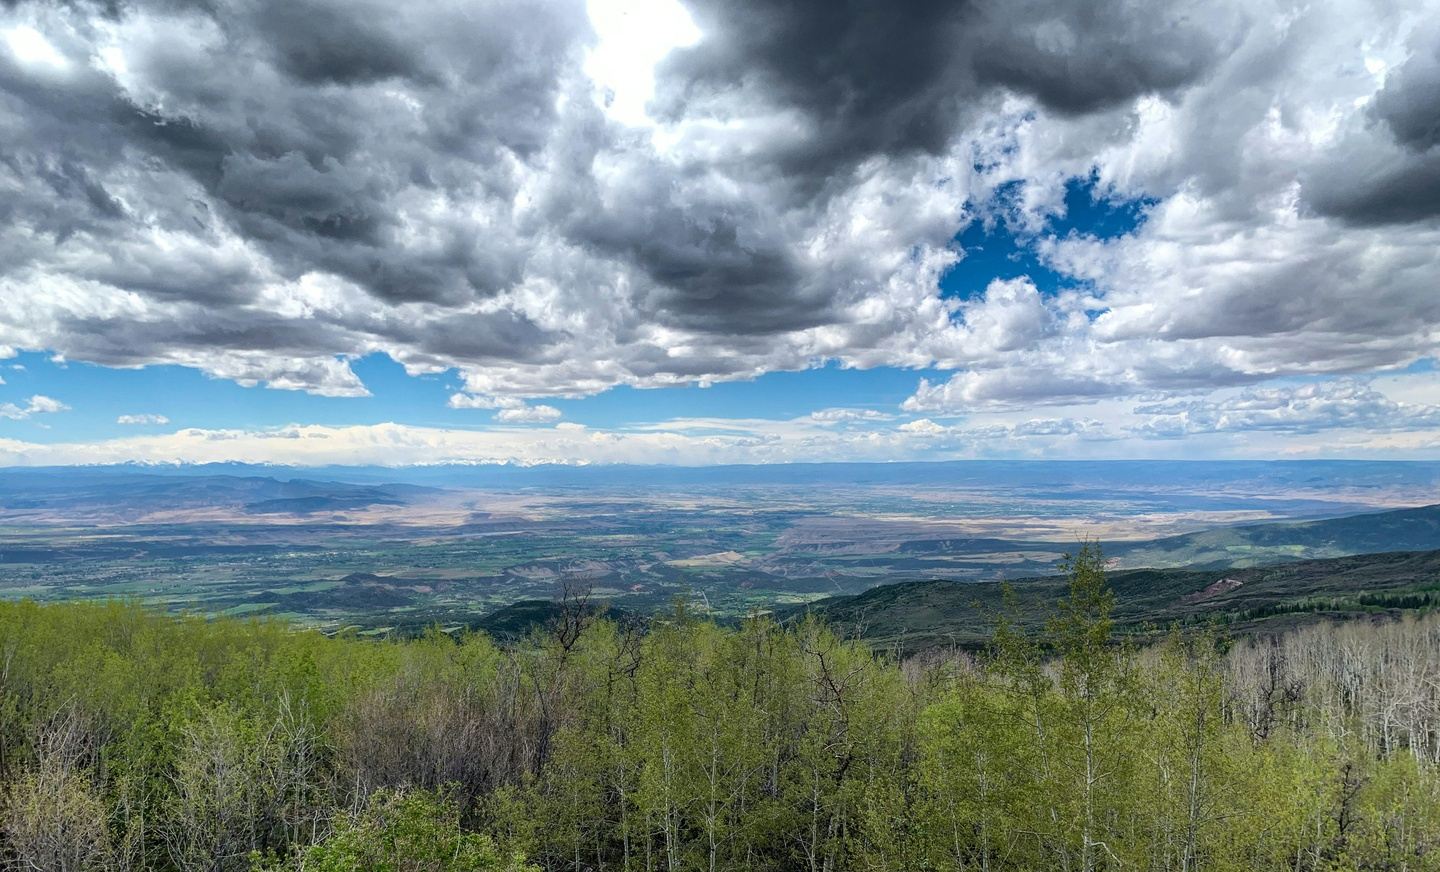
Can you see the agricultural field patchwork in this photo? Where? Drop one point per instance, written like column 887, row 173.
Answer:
column 382, row 555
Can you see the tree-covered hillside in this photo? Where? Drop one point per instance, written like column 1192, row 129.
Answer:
column 914, row 616
column 134, row 740
column 1414, row 529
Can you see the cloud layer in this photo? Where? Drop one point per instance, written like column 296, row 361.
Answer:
column 265, row 190
column 1297, row 420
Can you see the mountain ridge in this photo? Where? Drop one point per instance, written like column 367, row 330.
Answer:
column 916, row 615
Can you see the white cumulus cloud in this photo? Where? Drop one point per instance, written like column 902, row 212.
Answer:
column 36, row 405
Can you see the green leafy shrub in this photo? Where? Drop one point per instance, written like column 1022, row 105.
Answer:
column 404, row 831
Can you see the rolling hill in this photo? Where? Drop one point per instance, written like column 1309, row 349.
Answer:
column 918, row 615
column 1415, row 529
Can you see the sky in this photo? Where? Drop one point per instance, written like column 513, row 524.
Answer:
column 717, row 231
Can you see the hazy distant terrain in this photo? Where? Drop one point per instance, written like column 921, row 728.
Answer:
column 379, row 548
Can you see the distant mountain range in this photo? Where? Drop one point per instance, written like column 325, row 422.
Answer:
column 1062, row 474
column 141, row 492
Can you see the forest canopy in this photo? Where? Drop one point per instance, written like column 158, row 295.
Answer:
column 130, row 739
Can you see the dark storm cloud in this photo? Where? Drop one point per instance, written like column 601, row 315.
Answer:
column 133, row 342
column 264, row 122
column 286, row 117
column 895, row 78
column 333, row 201
column 866, row 80
column 712, row 266
column 1410, row 101
column 374, row 142
column 70, row 180
column 869, row 77
column 219, row 182
column 327, row 43
column 1369, row 186
column 1370, row 181
column 1085, row 56
column 499, row 337
column 60, row 161
column 863, row 80
column 76, row 199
